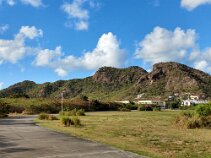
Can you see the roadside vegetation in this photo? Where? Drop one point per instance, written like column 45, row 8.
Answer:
column 199, row 118
column 149, row 133
column 37, row 106
column 44, row 116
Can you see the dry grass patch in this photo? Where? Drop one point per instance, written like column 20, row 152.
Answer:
column 146, row 133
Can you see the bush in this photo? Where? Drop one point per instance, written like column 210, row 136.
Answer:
column 66, row 121
column 130, row 106
column 203, row 110
column 157, row 108
column 124, row 109
column 190, row 120
column 173, row 104
column 146, row 107
column 4, row 107
column 52, row 117
column 3, row 115
column 43, row 116
column 187, row 113
column 80, row 112
column 73, row 112
column 76, row 121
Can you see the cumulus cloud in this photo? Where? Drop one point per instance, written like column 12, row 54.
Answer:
column 201, row 65
column 46, row 57
column 202, row 59
column 78, row 16
column 81, row 25
column 106, row 53
column 164, row 45
column 192, row 4
column 33, row 3
column 15, row 49
column 61, row 72
column 29, row 32
column 1, row 85
column 3, row 28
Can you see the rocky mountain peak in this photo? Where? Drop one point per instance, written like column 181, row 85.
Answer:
column 115, row 75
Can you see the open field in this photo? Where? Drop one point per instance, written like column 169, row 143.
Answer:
column 146, row 133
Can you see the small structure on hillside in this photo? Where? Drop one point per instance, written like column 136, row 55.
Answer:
column 191, row 102
column 154, row 101
column 139, row 96
column 123, row 101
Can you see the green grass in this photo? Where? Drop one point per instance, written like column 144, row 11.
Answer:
column 146, row 133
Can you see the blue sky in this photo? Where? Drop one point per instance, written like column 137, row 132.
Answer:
column 48, row 40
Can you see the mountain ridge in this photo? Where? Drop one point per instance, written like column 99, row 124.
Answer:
column 109, row 83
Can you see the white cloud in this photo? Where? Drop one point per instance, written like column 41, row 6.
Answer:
column 11, row 2
column 75, row 10
column 192, row 4
column 46, row 57
column 15, row 49
column 77, row 14
column 30, row 32
column 201, row 65
column 164, row 45
column 33, row 3
column 3, row 28
column 1, row 85
column 82, row 25
column 202, row 59
column 106, row 53
column 61, row 72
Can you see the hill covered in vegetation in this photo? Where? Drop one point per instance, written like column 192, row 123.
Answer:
column 116, row 84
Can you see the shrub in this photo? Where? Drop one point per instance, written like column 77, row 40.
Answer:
column 52, row 117
column 190, row 120
column 66, row 121
column 124, row 109
column 173, row 104
column 130, row 106
column 187, row 114
column 146, row 107
column 76, row 121
column 43, row 116
column 73, row 112
column 80, row 112
column 4, row 107
column 203, row 110
column 3, row 115
column 157, row 108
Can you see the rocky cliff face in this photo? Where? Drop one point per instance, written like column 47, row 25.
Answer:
column 113, row 84
column 171, row 77
column 113, row 75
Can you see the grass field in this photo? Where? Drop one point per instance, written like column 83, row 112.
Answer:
column 151, row 134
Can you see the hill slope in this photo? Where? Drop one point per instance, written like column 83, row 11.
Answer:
column 114, row 84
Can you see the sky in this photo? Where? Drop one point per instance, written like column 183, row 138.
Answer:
column 49, row 40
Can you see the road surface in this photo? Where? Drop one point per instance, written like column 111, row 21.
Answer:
column 22, row 138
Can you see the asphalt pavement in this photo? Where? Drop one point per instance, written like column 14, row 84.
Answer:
column 22, row 138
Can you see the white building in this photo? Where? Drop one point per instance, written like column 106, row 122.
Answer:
column 123, row 101
column 194, row 97
column 157, row 102
column 190, row 102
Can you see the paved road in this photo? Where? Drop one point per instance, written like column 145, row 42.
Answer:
column 21, row 138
